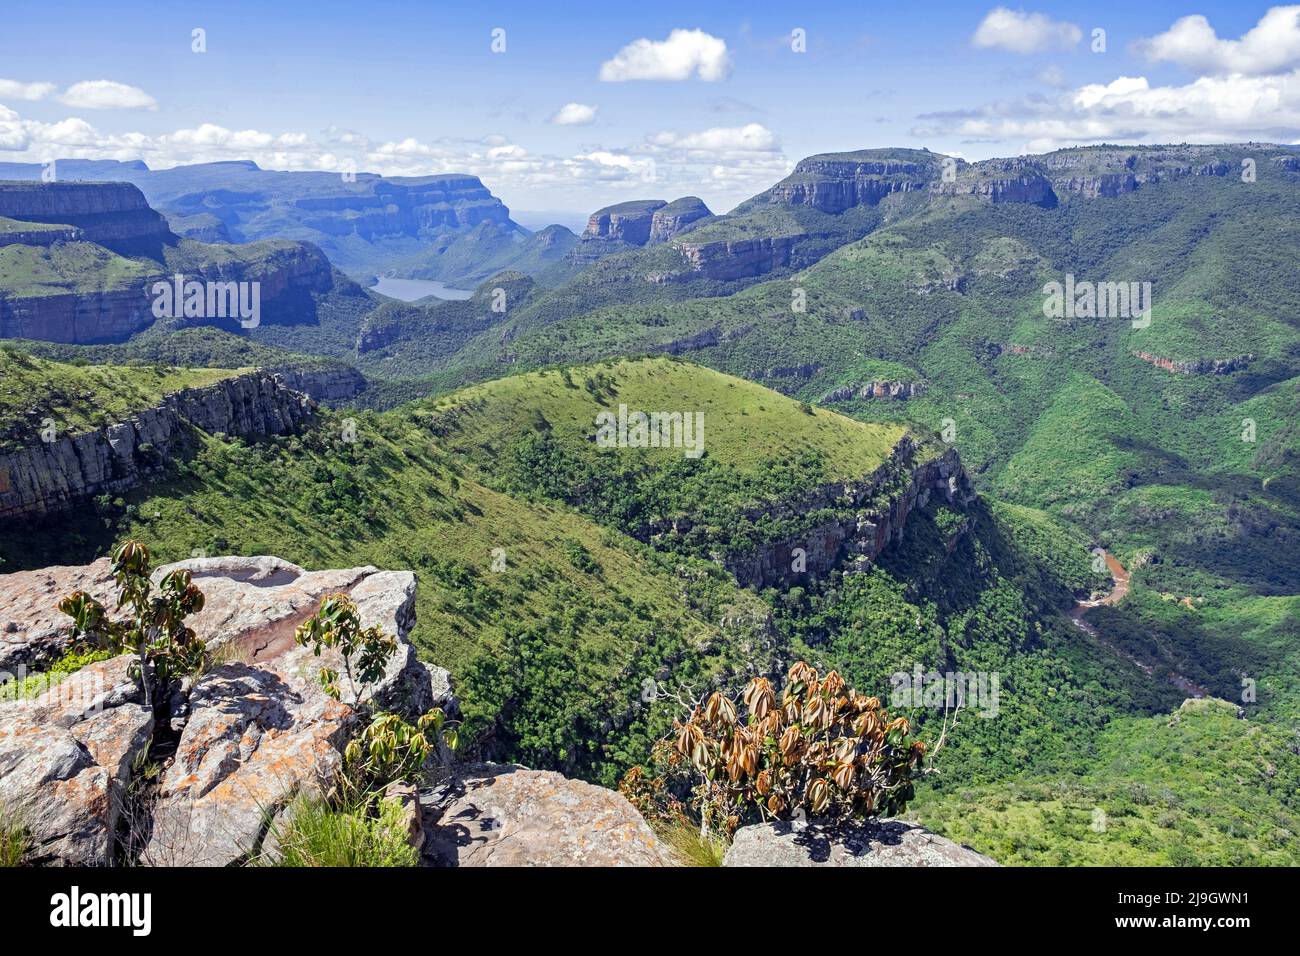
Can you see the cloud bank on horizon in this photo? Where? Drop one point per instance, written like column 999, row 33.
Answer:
column 1186, row 82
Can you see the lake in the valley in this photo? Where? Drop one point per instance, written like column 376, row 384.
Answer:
column 408, row 290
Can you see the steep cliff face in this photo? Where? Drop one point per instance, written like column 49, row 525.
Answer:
column 1106, row 172
column 880, row 389
column 628, row 222
column 671, row 219
column 739, row 258
column 335, row 383
column 50, row 477
column 1000, row 181
column 835, row 182
column 80, row 317
column 114, row 215
column 1197, row 366
column 637, row 223
column 873, row 513
column 415, row 207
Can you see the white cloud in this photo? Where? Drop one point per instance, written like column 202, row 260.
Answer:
column 574, row 114
column 1271, row 46
column 16, row 90
column 107, row 95
column 724, row 165
column 1022, row 32
column 1130, row 110
column 749, row 138
column 685, row 52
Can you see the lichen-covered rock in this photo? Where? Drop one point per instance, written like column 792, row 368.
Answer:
column 253, row 742
column 66, row 759
column 33, row 631
column 500, row 815
column 873, row 843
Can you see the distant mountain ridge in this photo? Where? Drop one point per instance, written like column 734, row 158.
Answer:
column 364, row 223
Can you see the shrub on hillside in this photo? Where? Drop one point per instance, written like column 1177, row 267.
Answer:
column 820, row 751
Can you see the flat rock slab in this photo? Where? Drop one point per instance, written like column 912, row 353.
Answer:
column 873, row 843
column 257, row 603
column 33, row 631
column 66, row 759
column 506, row 816
column 253, row 742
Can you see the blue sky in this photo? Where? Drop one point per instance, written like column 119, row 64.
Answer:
column 721, row 108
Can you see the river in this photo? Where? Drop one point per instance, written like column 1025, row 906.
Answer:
column 1119, row 588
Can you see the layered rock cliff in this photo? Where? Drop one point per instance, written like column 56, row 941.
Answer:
column 738, row 258
column 416, row 207
column 637, row 223
column 879, row 389
column 327, row 384
column 1196, row 366
column 869, row 515
column 114, row 215
column 52, row 476
column 79, row 316
column 835, row 182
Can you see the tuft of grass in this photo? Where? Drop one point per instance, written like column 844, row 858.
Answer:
column 15, row 842
column 692, row 848
column 319, row 834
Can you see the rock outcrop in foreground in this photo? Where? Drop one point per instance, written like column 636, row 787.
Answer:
column 237, row 745
column 876, row 843
column 502, row 815
column 248, row 735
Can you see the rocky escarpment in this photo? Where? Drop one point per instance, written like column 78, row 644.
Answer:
column 236, row 746
column 869, row 515
column 881, row 389
column 330, row 384
column 1197, row 366
column 738, row 258
column 637, row 223
column 1105, row 171
column 675, row 217
column 1000, row 181
column 835, row 182
column 79, row 317
column 13, row 233
column 114, row 215
column 419, row 206
column 41, row 479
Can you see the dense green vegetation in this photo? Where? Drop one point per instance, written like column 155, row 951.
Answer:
column 1199, row 787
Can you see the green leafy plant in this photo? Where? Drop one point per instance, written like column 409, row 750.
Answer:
column 154, row 626
column 391, row 748
column 365, row 651
column 822, row 751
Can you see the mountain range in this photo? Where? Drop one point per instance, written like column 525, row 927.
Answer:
column 886, row 388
